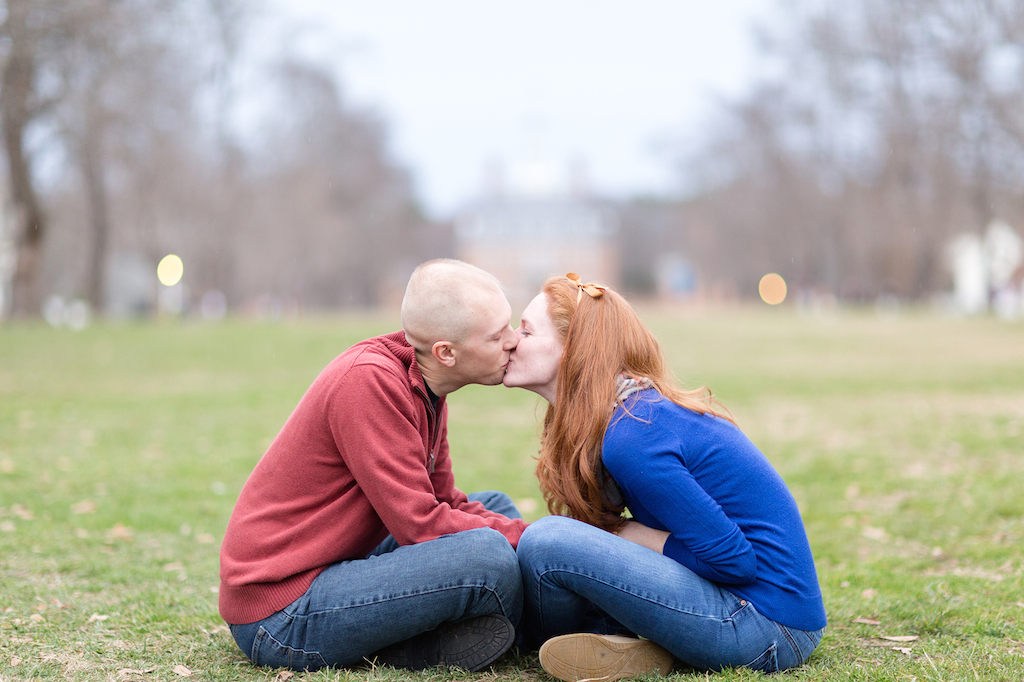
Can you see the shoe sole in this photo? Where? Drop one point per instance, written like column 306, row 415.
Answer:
column 478, row 642
column 471, row 644
column 584, row 656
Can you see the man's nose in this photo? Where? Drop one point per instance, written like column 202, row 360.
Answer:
column 513, row 339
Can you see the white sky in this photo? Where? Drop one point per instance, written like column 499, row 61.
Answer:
column 467, row 83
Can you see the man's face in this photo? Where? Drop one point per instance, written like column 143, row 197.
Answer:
column 483, row 354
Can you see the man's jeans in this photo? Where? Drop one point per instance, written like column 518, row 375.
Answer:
column 355, row 608
column 578, row 578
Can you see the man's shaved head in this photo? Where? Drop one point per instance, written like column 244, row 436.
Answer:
column 441, row 300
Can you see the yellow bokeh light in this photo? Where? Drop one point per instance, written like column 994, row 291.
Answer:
column 772, row 289
column 170, row 270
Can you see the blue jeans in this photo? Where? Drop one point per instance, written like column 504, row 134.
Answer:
column 355, row 608
column 578, row 578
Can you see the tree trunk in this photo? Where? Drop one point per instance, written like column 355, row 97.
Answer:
column 16, row 84
column 96, row 192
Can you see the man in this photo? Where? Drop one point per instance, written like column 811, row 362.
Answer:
column 350, row 540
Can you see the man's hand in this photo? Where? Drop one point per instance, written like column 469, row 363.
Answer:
column 645, row 536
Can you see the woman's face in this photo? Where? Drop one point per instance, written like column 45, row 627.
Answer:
column 534, row 362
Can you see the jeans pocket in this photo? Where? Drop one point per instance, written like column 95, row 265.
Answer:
column 768, row 662
column 267, row 651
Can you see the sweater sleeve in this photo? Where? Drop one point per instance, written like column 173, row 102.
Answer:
column 646, row 461
column 376, row 424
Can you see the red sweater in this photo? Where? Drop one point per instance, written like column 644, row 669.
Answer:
column 351, row 465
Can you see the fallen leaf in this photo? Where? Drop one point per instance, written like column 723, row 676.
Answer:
column 1020, row 604
column 182, row 671
column 16, row 661
column 96, row 617
column 904, row 650
column 205, row 539
column 36, row 617
column 120, row 532
column 527, row 505
column 174, row 567
column 284, row 675
column 867, row 621
column 868, row 593
column 134, row 671
column 21, row 512
column 83, row 507
column 7, row 527
column 872, row 533
column 901, row 638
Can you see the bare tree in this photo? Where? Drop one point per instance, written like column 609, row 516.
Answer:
column 889, row 126
column 138, row 112
column 339, row 212
column 24, row 27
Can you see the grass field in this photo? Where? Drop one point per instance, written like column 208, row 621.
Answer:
column 122, row 449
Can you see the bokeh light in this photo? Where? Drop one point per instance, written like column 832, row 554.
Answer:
column 772, row 289
column 170, row 270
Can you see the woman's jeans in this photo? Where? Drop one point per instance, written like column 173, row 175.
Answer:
column 578, row 578
column 355, row 608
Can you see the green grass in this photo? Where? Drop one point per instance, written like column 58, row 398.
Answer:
column 123, row 447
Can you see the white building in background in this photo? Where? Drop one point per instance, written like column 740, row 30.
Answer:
column 970, row 276
column 538, row 228
column 989, row 271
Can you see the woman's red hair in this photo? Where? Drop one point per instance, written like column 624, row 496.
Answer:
column 602, row 337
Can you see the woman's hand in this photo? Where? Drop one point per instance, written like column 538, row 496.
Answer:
column 645, row 536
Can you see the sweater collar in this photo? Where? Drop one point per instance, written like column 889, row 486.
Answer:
column 399, row 346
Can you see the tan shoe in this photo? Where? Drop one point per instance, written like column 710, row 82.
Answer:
column 587, row 657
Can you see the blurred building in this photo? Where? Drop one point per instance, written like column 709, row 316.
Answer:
column 988, row 270
column 676, row 277
column 539, row 230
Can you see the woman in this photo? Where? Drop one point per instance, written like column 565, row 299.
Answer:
column 714, row 565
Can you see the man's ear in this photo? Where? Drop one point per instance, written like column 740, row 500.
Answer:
column 444, row 352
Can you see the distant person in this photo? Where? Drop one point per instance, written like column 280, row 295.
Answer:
column 714, row 567
column 350, row 541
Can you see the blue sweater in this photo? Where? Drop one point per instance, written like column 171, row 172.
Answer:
column 731, row 517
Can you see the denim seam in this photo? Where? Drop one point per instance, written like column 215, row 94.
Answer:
column 792, row 642
column 545, row 573
column 497, row 598
column 262, row 635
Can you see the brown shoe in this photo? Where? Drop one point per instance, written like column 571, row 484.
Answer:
column 584, row 656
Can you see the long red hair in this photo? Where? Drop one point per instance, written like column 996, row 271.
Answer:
column 602, row 337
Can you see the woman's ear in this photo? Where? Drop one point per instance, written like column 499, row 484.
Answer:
column 444, row 352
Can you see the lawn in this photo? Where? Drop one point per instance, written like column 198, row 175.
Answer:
column 123, row 448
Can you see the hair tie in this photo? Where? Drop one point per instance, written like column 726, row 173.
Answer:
column 593, row 290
